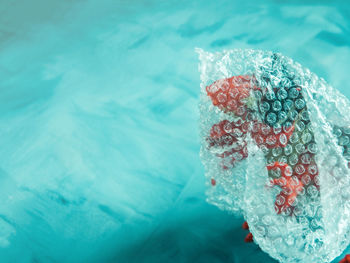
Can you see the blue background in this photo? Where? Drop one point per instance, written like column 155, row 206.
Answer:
column 99, row 147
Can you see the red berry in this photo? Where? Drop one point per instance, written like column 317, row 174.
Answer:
column 249, row 238
column 245, row 225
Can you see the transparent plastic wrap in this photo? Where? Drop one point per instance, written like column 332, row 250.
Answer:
column 274, row 145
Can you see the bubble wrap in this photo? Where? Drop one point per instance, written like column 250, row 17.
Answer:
column 275, row 145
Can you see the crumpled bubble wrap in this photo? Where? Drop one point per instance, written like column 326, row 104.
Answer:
column 275, row 146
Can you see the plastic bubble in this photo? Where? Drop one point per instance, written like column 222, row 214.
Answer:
column 276, row 139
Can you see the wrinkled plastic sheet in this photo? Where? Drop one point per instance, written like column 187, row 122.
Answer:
column 275, row 143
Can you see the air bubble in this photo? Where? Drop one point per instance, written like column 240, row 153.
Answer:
column 276, row 151
column 300, row 148
column 312, row 147
column 288, row 105
column 233, row 92
column 283, row 139
column 265, row 106
column 271, row 118
column 293, row 159
column 228, row 127
column 282, row 94
column 288, row 149
column 293, row 114
column 280, row 200
column 277, row 106
column 306, row 179
column 270, row 96
column 293, row 93
column 282, row 116
column 305, row 115
column 265, row 129
column 312, row 169
column 300, row 104
column 288, row 171
column 344, row 140
column 271, row 140
column 306, row 137
column 300, row 169
column 221, row 97
column 300, row 126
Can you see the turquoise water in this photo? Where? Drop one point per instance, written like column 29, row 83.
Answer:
column 99, row 122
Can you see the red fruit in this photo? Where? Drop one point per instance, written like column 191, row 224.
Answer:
column 229, row 94
column 221, row 134
column 289, row 184
column 245, row 225
column 346, row 259
column 248, row 238
column 263, row 134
